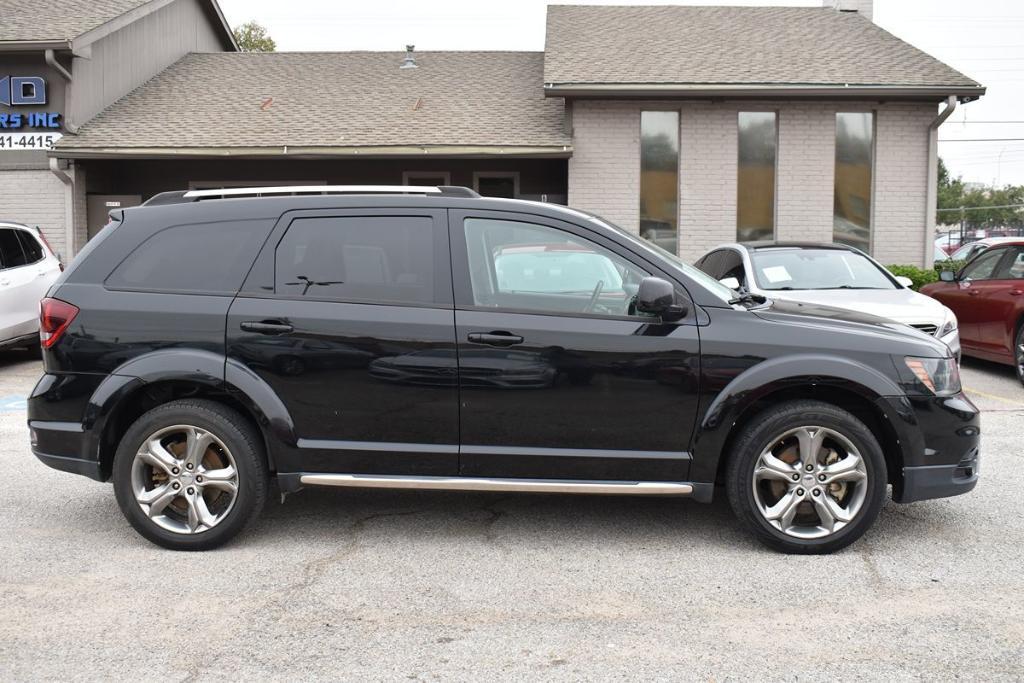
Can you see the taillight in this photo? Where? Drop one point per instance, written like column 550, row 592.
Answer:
column 54, row 317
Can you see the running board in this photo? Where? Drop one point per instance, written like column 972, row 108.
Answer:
column 628, row 488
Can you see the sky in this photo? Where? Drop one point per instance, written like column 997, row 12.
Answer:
column 982, row 38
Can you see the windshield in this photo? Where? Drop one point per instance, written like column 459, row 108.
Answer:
column 796, row 269
column 709, row 283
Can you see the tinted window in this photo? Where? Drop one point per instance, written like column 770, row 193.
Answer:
column 30, row 245
column 11, row 254
column 983, row 267
column 532, row 267
column 366, row 258
column 785, row 269
column 755, row 181
column 204, row 258
column 855, row 142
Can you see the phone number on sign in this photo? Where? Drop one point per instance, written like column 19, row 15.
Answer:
column 28, row 141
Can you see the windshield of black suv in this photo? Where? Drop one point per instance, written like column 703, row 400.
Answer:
column 788, row 268
column 709, row 283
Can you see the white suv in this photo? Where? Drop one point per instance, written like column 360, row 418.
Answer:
column 27, row 269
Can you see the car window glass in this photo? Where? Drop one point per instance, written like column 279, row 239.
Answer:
column 376, row 258
column 983, row 267
column 804, row 269
column 30, row 245
column 712, row 264
column 205, row 258
column 1015, row 266
column 732, row 266
column 11, row 253
column 532, row 267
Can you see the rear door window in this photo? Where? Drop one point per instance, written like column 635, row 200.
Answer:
column 30, row 245
column 11, row 253
column 379, row 259
column 204, row 258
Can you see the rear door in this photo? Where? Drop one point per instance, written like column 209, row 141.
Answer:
column 559, row 377
column 347, row 316
column 19, row 313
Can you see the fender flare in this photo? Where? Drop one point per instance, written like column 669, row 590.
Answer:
column 772, row 375
column 195, row 366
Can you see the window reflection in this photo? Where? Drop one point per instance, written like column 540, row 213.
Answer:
column 854, row 151
column 659, row 178
column 755, row 205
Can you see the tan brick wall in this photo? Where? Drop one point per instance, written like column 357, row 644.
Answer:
column 604, row 171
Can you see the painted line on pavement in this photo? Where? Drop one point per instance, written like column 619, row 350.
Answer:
column 994, row 397
column 15, row 403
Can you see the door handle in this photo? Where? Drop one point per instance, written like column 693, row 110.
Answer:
column 973, row 292
column 266, row 327
column 496, row 338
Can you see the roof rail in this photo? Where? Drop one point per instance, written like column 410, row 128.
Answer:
column 327, row 189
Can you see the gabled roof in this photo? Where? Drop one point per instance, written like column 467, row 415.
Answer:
column 669, row 49
column 60, row 23
column 258, row 104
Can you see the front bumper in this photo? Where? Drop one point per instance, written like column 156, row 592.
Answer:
column 940, row 440
column 952, row 340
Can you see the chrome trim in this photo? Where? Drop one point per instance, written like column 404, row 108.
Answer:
column 629, row 488
column 312, row 189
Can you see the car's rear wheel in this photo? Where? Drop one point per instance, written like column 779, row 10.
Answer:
column 190, row 475
column 807, row 477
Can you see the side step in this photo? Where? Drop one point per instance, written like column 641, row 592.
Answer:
column 628, row 488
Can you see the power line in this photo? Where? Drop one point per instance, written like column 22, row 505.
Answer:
column 982, row 140
column 984, row 208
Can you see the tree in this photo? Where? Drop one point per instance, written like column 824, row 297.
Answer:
column 252, row 37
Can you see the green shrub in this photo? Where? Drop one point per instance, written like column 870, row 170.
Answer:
column 922, row 276
column 919, row 276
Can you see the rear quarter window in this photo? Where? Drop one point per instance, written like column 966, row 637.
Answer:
column 202, row 258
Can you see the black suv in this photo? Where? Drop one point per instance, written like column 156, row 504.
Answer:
column 212, row 341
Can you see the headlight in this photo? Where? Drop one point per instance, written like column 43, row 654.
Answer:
column 940, row 376
column 948, row 324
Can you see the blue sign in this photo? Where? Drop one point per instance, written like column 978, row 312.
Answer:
column 25, row 91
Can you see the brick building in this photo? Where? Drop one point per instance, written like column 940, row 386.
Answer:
column 690, row 125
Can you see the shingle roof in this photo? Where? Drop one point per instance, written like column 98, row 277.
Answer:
column 731, row 45
column 49, row 20
column 348, row 99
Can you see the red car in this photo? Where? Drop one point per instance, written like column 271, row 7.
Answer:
column 987, row 296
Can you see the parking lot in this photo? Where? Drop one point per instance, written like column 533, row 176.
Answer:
column 388, row 585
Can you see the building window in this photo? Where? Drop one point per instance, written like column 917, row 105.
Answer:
column 426, row 178
column 659, row 178
column 755, row 179
column 855, row 137
column 503, row 184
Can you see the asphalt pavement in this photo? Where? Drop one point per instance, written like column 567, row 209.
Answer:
column 378, row 585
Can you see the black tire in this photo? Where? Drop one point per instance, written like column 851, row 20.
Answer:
column 759, row 434
column 240, row 438
column 1018, row 352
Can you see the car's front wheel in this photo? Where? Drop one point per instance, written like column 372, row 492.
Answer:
column 190, row 474
column 1018, row 353
column 806, row 477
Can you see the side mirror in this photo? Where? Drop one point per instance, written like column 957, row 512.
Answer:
column 905, row 281
column 658, row 297
column 730, row 282
column 947, row 276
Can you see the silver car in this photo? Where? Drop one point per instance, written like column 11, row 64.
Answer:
column 27, row 269
column 830, row 275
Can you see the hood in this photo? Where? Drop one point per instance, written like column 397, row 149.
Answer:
column 852, row 322
column 902, row 305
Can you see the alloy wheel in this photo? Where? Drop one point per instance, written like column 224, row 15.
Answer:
column 810, row 482
column 1020, row 355
column 184, row 479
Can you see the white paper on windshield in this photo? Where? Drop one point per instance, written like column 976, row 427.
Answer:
column 776, row 274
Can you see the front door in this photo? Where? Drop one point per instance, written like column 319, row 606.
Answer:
column 347, row 316
column 559, row 377
column 967, row 297
column 1000, row 298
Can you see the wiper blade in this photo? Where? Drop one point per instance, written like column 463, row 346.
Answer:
column 748, row 298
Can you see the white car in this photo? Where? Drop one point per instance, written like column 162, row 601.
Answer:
column 972, row 249
column 829, row 275
column 27, row 269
